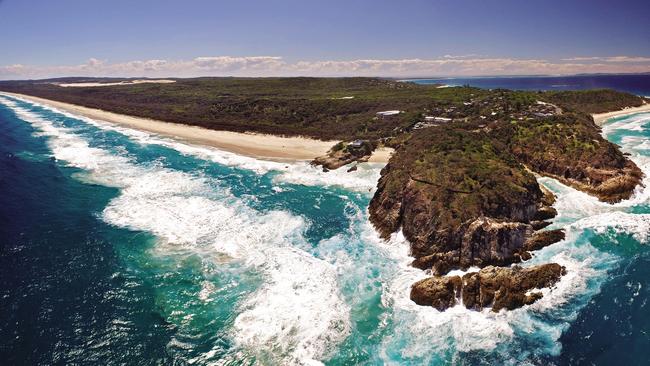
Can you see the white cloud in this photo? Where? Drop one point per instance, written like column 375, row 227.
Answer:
column 226, row 63
column 471, row 55
column 613, row 59
column 466, row 65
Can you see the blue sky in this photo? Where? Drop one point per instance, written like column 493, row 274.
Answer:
column 386, row 38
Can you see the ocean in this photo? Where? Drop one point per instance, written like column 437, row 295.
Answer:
column 124, row 247
column 638, row 84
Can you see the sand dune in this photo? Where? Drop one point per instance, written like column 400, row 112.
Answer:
column 128, row 82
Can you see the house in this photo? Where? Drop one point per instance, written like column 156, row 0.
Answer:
column 436, row 119
column 356, row 144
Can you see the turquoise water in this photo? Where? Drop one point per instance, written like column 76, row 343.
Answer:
column 120, row 246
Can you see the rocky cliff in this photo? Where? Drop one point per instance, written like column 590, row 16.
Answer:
column 571, row 149
column 461, row 199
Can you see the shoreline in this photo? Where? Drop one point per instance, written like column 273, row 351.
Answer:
column 601, row 118
column 255, row 145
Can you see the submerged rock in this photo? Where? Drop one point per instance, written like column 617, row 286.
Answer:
column 495, row 287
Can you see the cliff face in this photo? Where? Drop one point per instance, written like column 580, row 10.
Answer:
column 461, row 200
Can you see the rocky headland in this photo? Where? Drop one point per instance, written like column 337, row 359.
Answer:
column 465, row 195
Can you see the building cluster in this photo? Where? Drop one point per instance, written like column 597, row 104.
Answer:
column 486, row 109
column 430, row 121
column 538, row 110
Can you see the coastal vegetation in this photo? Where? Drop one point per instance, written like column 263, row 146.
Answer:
column 322, row 108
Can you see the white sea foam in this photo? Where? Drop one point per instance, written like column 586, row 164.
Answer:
column 295, row 317
column 364, row 179
column 418, row 330
column 633, row 122
column 637, row 147
column 617, row 223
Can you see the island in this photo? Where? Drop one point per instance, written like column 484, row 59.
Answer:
column 461, row 183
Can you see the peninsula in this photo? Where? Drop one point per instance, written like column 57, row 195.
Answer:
column 460, row 184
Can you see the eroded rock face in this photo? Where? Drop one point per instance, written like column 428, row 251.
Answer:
column 484, row 241
column 495, row 287
column 439, row 292
column 461, row 200
column 542, row 239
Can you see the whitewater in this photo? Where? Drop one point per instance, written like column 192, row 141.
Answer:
column 263, row 262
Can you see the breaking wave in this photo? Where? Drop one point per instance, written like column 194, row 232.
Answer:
column 296, row 314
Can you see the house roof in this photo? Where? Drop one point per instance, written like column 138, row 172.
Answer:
column 389, row 113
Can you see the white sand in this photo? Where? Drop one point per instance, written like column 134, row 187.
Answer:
column 128, row 82
column 600, row 118
column 249, row 144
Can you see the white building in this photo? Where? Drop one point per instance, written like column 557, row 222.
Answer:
column 437, row 119
column 385, row 114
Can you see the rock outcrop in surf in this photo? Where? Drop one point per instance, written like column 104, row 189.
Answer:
column 345, row 153
column 491, row 287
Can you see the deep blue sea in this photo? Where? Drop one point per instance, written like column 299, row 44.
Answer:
column 638, row 84
column 123, row 247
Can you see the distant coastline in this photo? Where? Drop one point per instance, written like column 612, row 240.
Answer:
column 638, row 84
column 261, row 146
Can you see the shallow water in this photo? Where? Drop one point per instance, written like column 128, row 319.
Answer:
column 120, row 246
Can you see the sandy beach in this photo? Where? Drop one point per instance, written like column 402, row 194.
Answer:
column 600, row 118
column 130, row 82
column 255, row 145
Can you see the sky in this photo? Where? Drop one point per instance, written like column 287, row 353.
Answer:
column 405, row 38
